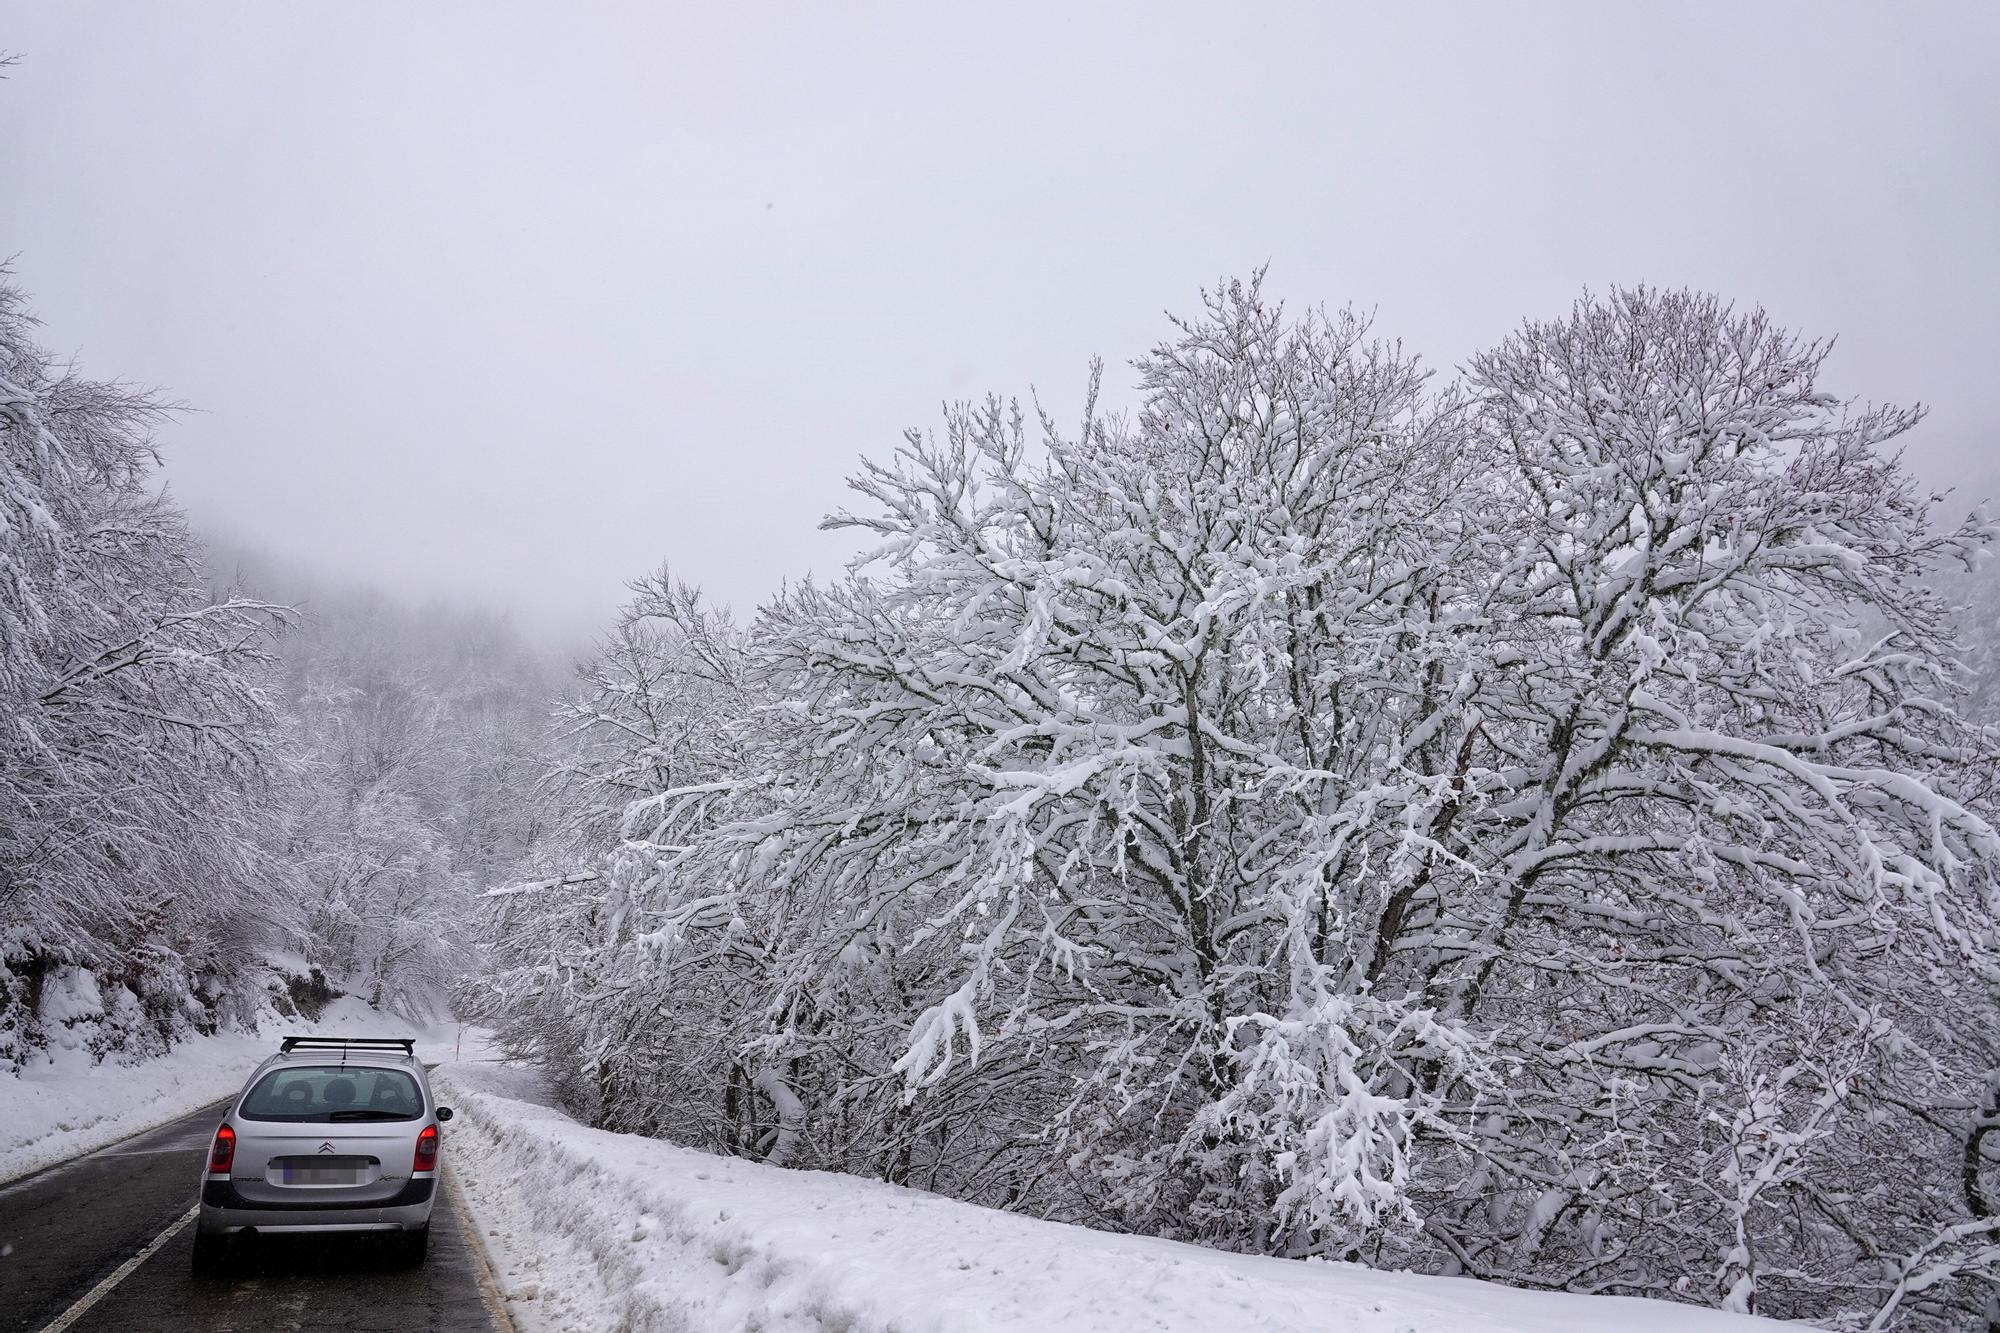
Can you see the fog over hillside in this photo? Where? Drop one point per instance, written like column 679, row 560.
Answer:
column 506, row 304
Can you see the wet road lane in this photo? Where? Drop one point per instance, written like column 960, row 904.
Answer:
column 64, row 1231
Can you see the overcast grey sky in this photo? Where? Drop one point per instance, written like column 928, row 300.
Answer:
column 515, row 301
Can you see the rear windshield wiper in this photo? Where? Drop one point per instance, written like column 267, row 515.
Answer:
column 370, row 1115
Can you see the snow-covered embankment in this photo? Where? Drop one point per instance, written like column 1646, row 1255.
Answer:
column 594, row 1231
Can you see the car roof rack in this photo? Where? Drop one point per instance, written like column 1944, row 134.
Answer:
column 290, row 1044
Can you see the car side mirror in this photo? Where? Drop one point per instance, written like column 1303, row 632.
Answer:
column 444, row 1114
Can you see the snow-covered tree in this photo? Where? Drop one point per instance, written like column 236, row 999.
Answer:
column 416, row 734
column 1526, row 828
column 573, row 942
column 195, row 810
column 137, row 749
column 1725, row 809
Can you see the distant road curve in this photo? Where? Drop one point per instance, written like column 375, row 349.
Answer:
column 102, row 1243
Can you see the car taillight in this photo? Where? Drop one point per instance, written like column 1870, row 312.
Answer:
column 427, row 1150
column 223, row 1152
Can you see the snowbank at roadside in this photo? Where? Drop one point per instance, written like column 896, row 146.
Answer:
column 592, row 1230
column 62, row 1105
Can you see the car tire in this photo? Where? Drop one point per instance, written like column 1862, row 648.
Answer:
column 412, row 1246
column 211, row 1255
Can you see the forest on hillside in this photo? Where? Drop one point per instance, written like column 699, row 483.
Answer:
column 1537, row 822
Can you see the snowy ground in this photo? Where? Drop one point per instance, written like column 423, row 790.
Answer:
column 64, row 1105
column 593, row 1231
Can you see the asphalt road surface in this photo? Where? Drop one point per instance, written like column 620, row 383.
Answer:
column 112, row 1216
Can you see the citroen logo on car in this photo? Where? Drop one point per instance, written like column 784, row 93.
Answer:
column 326, row 1147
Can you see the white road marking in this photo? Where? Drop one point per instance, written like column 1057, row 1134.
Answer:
column 119, row 1274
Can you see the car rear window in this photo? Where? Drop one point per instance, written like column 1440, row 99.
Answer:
column 308, row 1093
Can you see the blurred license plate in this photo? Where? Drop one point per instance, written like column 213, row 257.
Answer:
column 322, row 1175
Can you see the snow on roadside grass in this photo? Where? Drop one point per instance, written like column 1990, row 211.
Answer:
column 594, row 1231
column 62, row 1106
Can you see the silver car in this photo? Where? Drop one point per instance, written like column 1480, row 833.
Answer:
column 330, row 1134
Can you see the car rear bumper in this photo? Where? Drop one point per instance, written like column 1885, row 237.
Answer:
column 224, row 1210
